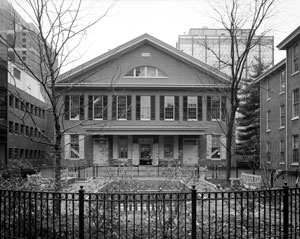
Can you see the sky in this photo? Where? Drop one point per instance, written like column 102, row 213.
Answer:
column 165, row 20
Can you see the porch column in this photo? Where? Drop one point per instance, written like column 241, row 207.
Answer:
column 115, row 147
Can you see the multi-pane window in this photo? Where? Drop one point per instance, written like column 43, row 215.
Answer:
column 17, row 128
column 295, row 147
column 75, row 107
column 216, row 147
column 98, row 107
column 145, row 107
column 282, row 115
column 122, row 107
column 216, row 107
column 295, row 110
column 268, row 90
column 74, row 146
column 282, row 81
column 10, row 127
column 192, row 107
column 282, row 151
column 296, row 57
column 268, row 120
column 145, row 71
column 11, row 100
column 123, row 147
column 17, row 103
column 168, row 147
column 169, row 107
column 268, row 151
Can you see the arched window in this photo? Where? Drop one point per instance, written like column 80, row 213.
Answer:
column 146, row 71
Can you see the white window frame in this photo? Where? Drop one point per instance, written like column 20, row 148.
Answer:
column 165, row 107
column 295, row 101
column 74, row 146
column 216, row 149
column 75, row 109
column 145, row 104
column 133, row 73
column 195, row 98
column 95, row 97
column 295, row 58
column 124, row 115
column 217, row 106
column 295, row 148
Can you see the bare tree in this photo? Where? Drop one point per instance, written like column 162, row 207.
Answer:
column 244, row 21
column 57, row 28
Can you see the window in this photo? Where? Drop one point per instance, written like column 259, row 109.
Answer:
column 268, row 90
column 17, row 74
column 122, row 107
column 295, row 110
column 169, row 107
column 16, row 128
column 145, row 71
column 26, row 130
column 145, row 107
column 17, row 103
column 11, row 100
column 282, row 151
column 282, row 115
column 295, row 147
column 97, row 107
column 192, row 107
column 216, row 107
column 268, row 120
column 123, row 147
column 216, row 147
column 168, row 147
column 282, row 81
column 22, row 130
column 295, row 58
column 74, row 106
column 74, row 146
column 268, row 151
column 11, row 127
column 10, row 153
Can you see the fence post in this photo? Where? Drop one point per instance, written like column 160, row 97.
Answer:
column 194, row 212
column 81, row 213
column 285, row 211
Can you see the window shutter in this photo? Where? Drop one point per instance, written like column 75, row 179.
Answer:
column 200, row 117
column 223, row 147
column 67, row 146
column 176, row 107
column 67, row 107
column 90, row 107
column 162, row 107
column 223, row 107
column 114, row 107
column 104, row 98
column 128, row 107
column 81, row 117
column 208, row 108
column 152, row 105
column 185, row 106
column 208, row 146
column 138, row 108
column 81, row 146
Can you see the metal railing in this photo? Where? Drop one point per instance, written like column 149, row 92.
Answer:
column 236, row 214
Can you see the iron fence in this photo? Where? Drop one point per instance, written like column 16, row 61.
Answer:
column 236, row 214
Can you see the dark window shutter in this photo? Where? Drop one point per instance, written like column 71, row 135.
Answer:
column 152, row 105
column 138, row 108
column 223, row 107
column 200, row 117
column 104, row 98
column 176, row 107
column 128, row 107
column 67, row 107
column 114, row 107
column 208, row 110
column 185, row 106
column 90, row 107
column 81, row 117
column 162, row 107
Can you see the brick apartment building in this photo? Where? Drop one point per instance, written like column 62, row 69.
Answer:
column 280, row 127
column 144, row 103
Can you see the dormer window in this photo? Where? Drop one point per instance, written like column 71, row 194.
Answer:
column 146, row 71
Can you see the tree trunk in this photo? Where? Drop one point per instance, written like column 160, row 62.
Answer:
column 229, row 137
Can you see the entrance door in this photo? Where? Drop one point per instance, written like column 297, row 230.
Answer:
column 100, row 152
column 145, row 154
column 190, row 149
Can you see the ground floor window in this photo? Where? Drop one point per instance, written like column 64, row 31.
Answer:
column 216, row 147
column 123, row 147
column 74, row 143
column 168, row 147
column 295, row 145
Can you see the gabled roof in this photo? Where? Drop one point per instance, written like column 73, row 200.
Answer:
column 290, row 39
column 271, row 71
column 145, row 38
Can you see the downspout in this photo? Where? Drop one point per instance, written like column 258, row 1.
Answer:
column 286, row 115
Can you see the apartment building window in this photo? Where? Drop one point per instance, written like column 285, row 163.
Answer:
column 282, row 81
column 22, row 130
column 17, row 103
column 168, row 147
column 97, row 107
column 10, row 127
column 17, row 74
column 282, row 115
column 74, row 107
column 268, row 152
column 282, row 151
column 268, row 120
column 17, row 128
column 216, row 107
column 295, row 58
column 145, row 71
column 74, row 146
column 123, row 147
column 295, row 147
column 216, row 147
column 11, row 100
column 295, row 109
column 169, row 107
column 268, row 90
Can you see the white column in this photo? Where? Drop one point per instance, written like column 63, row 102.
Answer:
column 208, row 146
